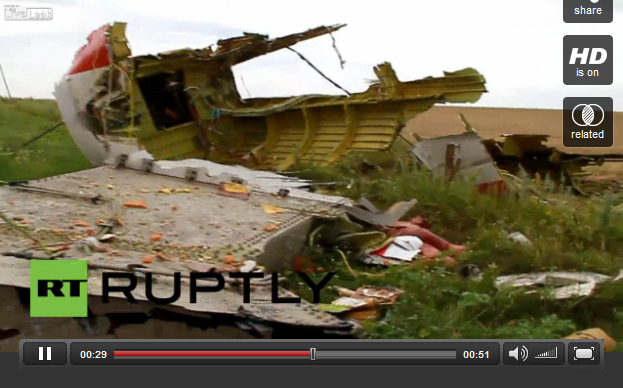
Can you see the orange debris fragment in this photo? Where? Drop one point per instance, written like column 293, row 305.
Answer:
column 156, row 237
column 270, row 228
column 229, row 259
column 136, row 204
column 175, row 208
column 147, row 259
column 58, row 248
column 162, row 256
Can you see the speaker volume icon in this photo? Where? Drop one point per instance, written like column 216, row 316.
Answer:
column 517, row 353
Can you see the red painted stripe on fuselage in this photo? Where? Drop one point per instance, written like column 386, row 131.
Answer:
column 92, row 55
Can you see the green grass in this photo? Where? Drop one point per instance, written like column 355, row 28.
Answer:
column 568, row 233
column 55, row 153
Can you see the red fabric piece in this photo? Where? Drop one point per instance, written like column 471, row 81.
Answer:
column 412, row 228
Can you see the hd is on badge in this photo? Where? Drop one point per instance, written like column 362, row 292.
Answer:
column 587, row 122
column 587, row 60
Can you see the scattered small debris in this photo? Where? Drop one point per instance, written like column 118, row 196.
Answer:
column 163, row 257
column 379, row 260
column 229, row 259
column 107, row 237
column 471, row 271
column 248, row 266
column 175, row 208
column 374, row 217
column 403, row 248
column 234, row 190
column 201, row 267
column 143, row 190
column 110, row 187
column 136, row 204
column 60, row 248
column 362, row 304
column 83, row 224
column 148, row 259
column 164, row 191
column 156, row 237
column 353, row 308
column 385, row 295
column 271, row 209
column 89, row 245
column 519, row 238
column 566, row 284
column 270, row 228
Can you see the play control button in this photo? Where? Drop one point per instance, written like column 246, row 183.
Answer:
column 44, row 353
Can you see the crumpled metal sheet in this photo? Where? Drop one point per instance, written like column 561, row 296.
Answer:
column 272, row 133
column 566, row 284
column 211, row 172
column 204, row 228
column 236, row 50
column 473, row 155
column 388, row 218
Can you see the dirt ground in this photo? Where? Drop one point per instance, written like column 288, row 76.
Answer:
column 494, row 122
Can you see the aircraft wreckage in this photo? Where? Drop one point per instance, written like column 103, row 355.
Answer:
column 185, row 104
column 171, row 200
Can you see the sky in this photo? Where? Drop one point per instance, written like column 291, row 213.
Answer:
column 516, row 45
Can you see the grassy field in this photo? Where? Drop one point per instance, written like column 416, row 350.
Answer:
column 55, row 153
column 567, row 232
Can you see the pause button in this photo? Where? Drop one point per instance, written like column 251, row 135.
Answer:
column 44, row 353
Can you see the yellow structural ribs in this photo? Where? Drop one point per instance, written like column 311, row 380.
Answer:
column 321, row 130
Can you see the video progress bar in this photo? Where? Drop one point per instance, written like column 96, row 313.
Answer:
column 151, row 354
column 312, row 354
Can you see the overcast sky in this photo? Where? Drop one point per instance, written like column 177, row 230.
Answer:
column 517, row 45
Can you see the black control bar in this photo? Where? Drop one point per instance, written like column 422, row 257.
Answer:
column 312, row 352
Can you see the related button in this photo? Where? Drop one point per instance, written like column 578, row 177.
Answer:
column 44, row 353
column 588, row 11
column 587, row 60
column 534, row 353
column 584, row 353
column 587, row 122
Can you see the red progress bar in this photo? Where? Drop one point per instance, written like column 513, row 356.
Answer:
column 212, row 353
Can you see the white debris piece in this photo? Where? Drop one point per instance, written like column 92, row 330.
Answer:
column 519, row 238
column 566, row 284
column 403, row 248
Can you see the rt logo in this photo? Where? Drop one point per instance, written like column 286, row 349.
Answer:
column 58, row 288
column 587, row 60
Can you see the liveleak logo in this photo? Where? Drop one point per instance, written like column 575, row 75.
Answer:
column 587, row 60
column 58, row 288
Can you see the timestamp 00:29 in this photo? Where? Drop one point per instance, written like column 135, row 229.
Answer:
column 87, row 354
